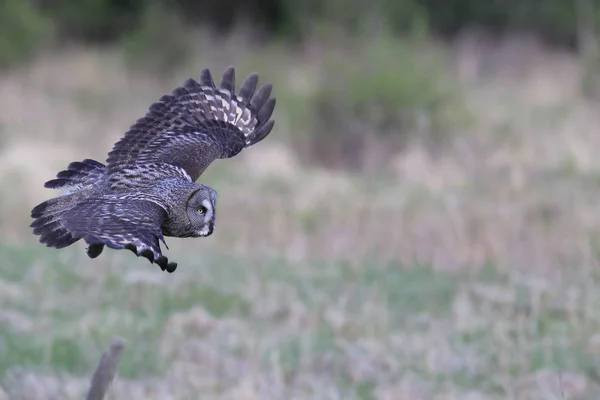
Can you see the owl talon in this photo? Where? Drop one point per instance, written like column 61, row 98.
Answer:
column 94, row 250
column 171, row 267
column 148, row 254
column 162, row 262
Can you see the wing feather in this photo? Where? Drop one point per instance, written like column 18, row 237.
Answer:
column 119, row 223
column 196, row 124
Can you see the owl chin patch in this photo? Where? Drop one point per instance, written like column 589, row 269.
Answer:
column 204, row 232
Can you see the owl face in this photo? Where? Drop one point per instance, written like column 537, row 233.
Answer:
column 201, row 211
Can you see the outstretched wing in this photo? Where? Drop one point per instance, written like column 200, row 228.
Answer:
column 119, row 223
column 196, row 124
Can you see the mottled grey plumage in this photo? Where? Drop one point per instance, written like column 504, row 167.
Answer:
column 147, row 189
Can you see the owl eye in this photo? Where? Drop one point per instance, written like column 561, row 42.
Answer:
column 202, row 210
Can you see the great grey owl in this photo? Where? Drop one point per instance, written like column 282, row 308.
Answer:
column 147, row 190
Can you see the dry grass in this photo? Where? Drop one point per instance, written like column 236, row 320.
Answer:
column 467, row 274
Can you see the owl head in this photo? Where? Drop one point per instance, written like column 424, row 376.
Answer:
column 201, row 211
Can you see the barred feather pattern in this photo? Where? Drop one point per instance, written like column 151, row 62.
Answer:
column 144, row 176
column 196, row 124
column 120, row 224
column 111, row 221
column 77, row 175
column 147, row 188
column 47, row 222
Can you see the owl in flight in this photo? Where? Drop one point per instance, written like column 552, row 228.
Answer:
column 147, row 190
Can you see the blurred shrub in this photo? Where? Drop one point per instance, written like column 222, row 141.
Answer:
column 94, row 20
column 107, row 20
column 354, row 16
column 376, row 97
column 554, row 20
column 557, row 21
column 160, row 42
column 22, row 30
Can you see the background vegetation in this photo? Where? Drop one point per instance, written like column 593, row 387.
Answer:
column 558, row 21
column 423, row 223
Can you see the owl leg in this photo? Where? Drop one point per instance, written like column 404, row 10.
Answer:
column 165, row 265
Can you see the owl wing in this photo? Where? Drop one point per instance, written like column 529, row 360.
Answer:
column 196, row 124
column 119, row 223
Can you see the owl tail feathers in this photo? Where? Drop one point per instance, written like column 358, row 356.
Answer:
column 78, row 173
column 52, row 233
column 48, row 215
column 47, row 224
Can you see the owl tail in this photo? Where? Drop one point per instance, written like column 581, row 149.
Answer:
column 47, row 221
column 48, row 215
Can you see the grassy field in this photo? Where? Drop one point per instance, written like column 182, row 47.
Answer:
column 467, row 273
column 225, row 327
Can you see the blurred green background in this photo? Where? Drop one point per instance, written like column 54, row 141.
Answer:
column 422, row 223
